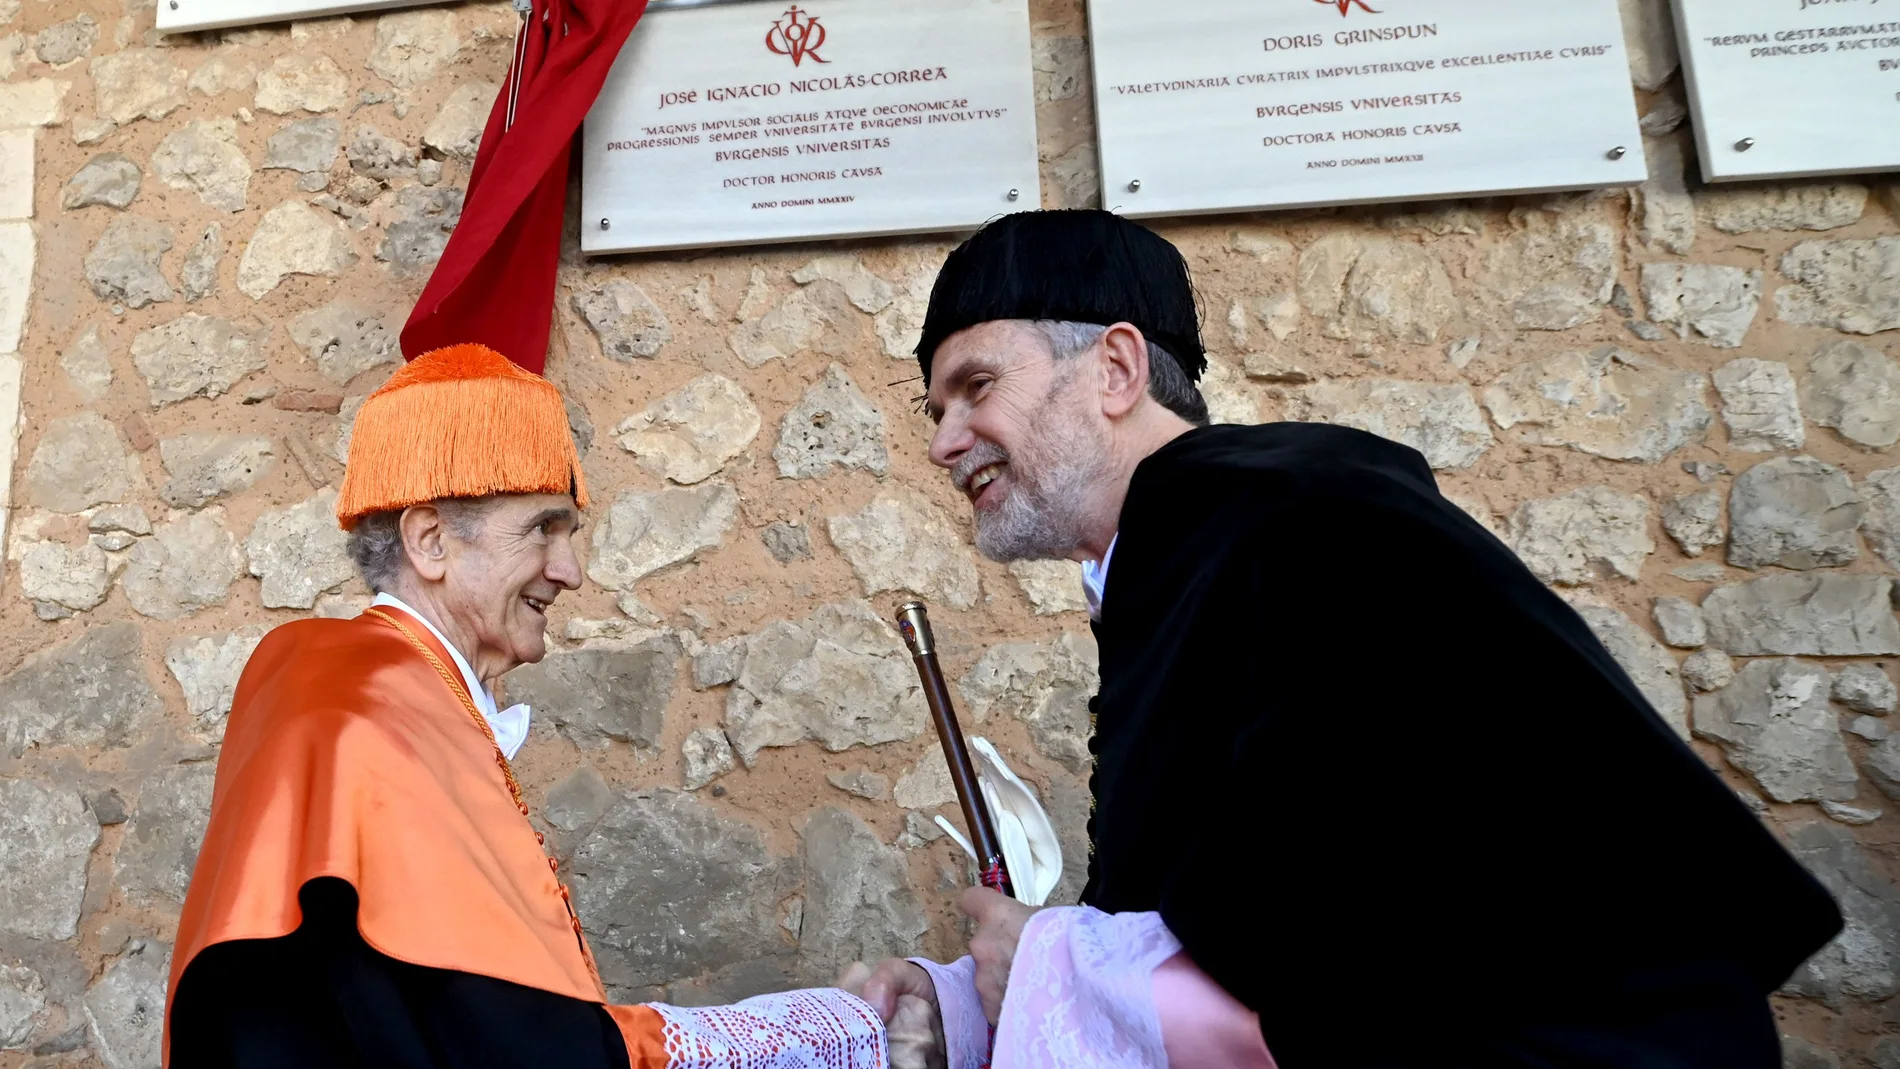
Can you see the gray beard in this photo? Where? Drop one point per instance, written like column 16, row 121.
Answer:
column 1046, row 512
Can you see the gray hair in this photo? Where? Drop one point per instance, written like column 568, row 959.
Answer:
column 1168, row 382
column 376, row 541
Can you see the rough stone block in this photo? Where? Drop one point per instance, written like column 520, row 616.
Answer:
column 841, row 678
column 79, row 462
column 1681, row 623
column 1825, row 615
column 292, row 239
column 109, row 178
column 643, row 850
column 1776, row 724
column 833, row 426
column 1863, row 962
column 708, row 756
column 155, row 859
column 1855, row 389
column 46, row 836
column 90, row 692
column 186, row 566
column 1865, row 688
column 138, row 83
column 194, row 356
column 1441, row 421
column 687, row 436
column 345, row 338
column 645, row 532
column 1852, row 286
column 457, row 127
column 900, row 541
column 88, row 369
column 1709, row 302
column 604, row 693
column 204, row 157
column 61, row 580
column 411, row 46
column 1795, row 512
column 1052, row 586
column 1608, row 403
column 1360, row 287
column 302, row 81
column 1694, row 521
column 206, row 465
column 1569, row 539
column 1744, row 210
column 207, row 669
column 299, row 552
column 308, row 146
column 1046, row 685
column 859, row 904
column 1760, row 406
column 1554, row 274
column 419, row 225
column 125, row 1009
column 123, row 265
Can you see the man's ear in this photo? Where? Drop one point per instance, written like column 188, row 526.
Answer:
column 424, row 536
column 1124, row 369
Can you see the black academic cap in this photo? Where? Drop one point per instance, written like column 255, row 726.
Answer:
column 1081, row 266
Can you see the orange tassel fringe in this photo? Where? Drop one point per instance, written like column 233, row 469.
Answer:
column 463, row 421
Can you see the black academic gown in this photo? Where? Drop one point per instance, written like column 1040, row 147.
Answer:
column 1392, row 793
column 322, row 998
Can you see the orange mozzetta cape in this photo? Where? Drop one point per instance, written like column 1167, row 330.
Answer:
column 349, row 754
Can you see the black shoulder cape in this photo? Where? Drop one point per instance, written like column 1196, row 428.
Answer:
column 1393, row 794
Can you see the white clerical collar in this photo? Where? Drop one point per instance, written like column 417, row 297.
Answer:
column 1095, row 578
column 510, row 725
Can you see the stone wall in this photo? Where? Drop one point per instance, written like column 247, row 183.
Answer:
column 1678, row 404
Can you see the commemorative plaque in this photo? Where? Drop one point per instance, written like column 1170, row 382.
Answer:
column 1792, row 87
column 760, row 122
column 1229, row 105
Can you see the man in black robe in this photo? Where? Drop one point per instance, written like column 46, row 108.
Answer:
column 1387, row 789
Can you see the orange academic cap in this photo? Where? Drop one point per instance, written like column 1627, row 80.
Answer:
column 462, row 421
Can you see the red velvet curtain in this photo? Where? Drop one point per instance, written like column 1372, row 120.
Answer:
column 495, row 282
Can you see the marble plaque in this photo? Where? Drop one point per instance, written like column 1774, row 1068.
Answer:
column 1230, row 105
column 1792, row 87
column 761, row 122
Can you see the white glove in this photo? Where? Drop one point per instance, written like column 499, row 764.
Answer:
column 1030, row 848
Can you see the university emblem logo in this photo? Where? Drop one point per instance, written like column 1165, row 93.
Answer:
column 1347, row 5
column 798, row 34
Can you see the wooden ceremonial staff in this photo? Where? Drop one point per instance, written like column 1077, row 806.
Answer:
column 914, row 623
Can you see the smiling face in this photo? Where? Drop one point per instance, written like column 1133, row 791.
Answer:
column 1022, row 437
column 502, row 561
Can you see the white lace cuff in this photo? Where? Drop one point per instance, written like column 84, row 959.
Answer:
column 1080, row 992
column 966, row 1032
column 822, row 1028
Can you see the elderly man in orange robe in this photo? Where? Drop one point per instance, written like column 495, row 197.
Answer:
column 370, row 892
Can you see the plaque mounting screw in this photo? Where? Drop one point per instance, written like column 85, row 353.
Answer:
column 1619, row 152
column 604, row 224
column 1015, row 193
column 1744, row 144
column 1134, row 186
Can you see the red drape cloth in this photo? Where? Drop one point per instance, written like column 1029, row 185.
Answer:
column 495, row 282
